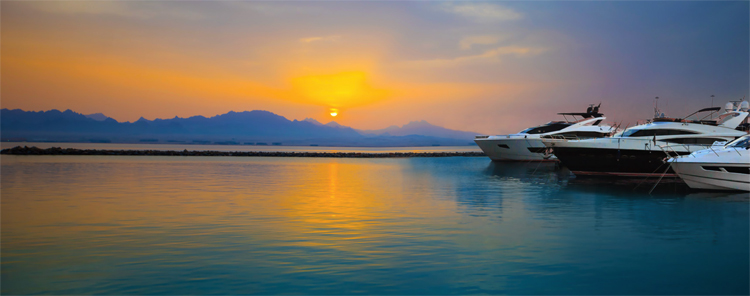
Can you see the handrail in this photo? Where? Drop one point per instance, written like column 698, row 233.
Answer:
column 561, row 137
column 735, row 149
column 687, row 148
column 666, row 148
column 712, row 150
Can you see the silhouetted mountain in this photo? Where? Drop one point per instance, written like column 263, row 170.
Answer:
column 249, row 127
column 335, row 124
column 313, row 121
column 422, row 128
column 97, row 116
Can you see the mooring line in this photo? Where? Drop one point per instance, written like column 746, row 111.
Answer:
column 644, row 180
column 662, row 176
column 537, row 167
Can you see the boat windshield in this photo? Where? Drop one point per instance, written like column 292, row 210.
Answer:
column 549, row 127
column 629, row 132
column 743, row 142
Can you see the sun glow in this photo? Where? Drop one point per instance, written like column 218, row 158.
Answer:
column 334, row 112
column 346, row 89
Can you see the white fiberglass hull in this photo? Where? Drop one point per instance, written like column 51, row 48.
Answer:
column 514, row 149
column 720, row 168
column 716, row 177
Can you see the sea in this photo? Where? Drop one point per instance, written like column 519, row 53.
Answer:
column 171, row 225
column 243, row 148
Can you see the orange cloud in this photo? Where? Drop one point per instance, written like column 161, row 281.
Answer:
column 489, row 56
column 326, row 38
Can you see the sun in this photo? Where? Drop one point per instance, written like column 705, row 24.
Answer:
column 334, row 112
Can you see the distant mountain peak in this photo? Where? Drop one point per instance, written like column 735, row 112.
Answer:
column 417, row 123
column 421, row 128
column 313, row 121
column 97, row 116
column 334, row 124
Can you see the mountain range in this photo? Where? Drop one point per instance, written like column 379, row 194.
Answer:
column 246, row 128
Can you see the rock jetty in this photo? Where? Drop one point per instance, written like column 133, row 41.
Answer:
column 18, row 150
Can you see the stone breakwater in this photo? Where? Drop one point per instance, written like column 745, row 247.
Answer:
column 18, row 150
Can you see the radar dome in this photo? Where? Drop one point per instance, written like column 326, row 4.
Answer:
column 744, row 106
column 729, row 106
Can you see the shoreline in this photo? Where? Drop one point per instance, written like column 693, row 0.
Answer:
column 18, row 150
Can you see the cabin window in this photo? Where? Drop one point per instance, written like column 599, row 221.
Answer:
column 697, row 141
column 573, row 135
column 503, row 146
column 738, row 170
column 655, row 132
column 546, row 128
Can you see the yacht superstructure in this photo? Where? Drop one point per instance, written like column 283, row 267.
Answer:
column 719, row 168
column 641, row 150
column 526, row 145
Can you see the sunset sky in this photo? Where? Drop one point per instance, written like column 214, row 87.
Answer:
column 488, row 67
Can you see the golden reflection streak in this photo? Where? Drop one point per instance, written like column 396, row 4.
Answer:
column 331, row 204
column 333, row 176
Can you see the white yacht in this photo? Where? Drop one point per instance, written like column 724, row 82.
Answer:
column 721, row 168
column 641, row 150
column 526, row 145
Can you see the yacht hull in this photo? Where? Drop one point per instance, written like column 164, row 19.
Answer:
column 514, row 149
column 614, row 162
column 697, row 177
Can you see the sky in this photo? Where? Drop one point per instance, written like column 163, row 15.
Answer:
column 487, row 67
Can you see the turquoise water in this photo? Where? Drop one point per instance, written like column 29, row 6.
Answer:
column 233, row 225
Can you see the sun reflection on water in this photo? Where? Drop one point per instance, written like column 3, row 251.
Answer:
column 173, row 225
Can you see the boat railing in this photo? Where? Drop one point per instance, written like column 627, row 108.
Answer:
column 561, row 137
column 672, row 153
column 735, row 149
column 669, row 148
column 556, row 137
column 568, row 137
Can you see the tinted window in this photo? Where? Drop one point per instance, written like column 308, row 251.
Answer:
column 629, row 132
column 579, row 135
column 546, row 128
column 738, row 170
column 656, row 132
column 698, row 141
column 729, row 169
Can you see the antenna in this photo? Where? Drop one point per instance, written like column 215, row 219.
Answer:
column 712, row 105
column 656, row 107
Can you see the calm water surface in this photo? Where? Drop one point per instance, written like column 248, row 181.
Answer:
column 272, row 148
column 232, row 225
